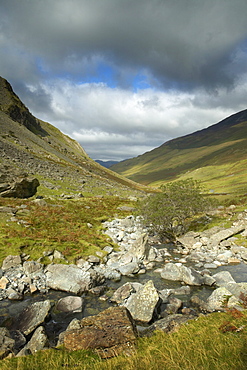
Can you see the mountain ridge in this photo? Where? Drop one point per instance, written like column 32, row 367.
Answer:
column 223, row 143
column 29, row 146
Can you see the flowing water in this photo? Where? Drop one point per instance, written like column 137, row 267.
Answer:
column 58, row 322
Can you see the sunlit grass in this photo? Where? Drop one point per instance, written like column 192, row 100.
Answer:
column 200, row 344
column 73, row 227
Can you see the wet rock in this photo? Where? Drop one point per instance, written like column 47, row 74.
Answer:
column 31, row 317
column 200, row 305
column 174, row 304
column 110, row 333
column 70, row 304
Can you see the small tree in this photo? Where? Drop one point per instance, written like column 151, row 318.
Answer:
column 169, row 212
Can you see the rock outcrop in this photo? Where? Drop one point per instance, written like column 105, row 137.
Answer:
column 110, row 333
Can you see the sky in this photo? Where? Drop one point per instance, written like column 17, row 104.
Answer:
column 124, row 76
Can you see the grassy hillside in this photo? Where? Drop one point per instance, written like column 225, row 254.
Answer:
column 29, row 145
column 216, row 155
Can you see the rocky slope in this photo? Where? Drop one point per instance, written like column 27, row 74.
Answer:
column 33, row 147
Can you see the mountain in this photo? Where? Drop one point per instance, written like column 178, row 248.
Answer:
column 106, row 164
column 216, row 155
column 29, row 146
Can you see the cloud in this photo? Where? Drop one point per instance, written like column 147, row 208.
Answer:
column 179, row 42
column 118, row 123
column 124, row 76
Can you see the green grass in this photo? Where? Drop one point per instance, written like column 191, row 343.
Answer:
column 62, row 225
column 200, row 344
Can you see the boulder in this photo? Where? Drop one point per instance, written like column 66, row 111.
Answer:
column 38, row 342
column 110, row 333
column 10, row 262
column 222, row 278
column 168, row 324
column 178, row 272
column 68, row 278
column 32, row 316
column 6, row 343
column 23, row 188
column 143, row 303
column 70, row 304
column 218, row 299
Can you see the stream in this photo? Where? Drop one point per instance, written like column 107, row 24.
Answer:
column 57, row 321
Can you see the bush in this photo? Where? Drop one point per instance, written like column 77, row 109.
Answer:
column 169, row 213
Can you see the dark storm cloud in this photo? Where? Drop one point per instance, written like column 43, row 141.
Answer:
column 124, row 76
column 181, row 42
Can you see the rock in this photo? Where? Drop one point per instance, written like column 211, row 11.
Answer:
column 10, row 262
column 174, row 304
column 38, row 341
column 200, row 305
column 32, row 316
column 30, row 267
column 3, row 282
column 123, row 293
column 23, row 188
column 110, row 333
column 6, row 343
column 13, row 295
column 68, row 278
column 70, row 304
column 170, row 323
column 226, row 233
column 222, row 278
column 128, row 269
column 177, row 272
column 19, row 339
column 237, row 289
column 139, row 249
column 143, row 303
column 218, row 299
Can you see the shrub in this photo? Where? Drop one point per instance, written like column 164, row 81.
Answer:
column 169, row 212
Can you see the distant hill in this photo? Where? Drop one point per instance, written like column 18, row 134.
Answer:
column 106, row 164
column 216, row 155
column 34, row 147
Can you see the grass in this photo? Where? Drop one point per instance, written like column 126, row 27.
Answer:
column 73, row 227
column 201, row 344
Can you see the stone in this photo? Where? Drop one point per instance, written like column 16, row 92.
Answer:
column 6, row 343
column 68, row 278
column 222, row 278
column 30, row 267
column 3, row 282
column 177, row 272
column 70, row 304
column 128, row 269
column 10, row 262
column 23, row 188
column 143, row 304
column 123, row 293
column 218, row 299
column 174, row 304
column 31, row 317
column 199, row 304
column 38, row 341
column 168, row 324
column 110, row 333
